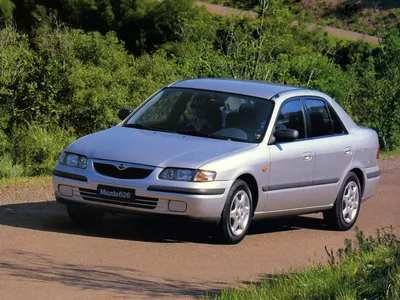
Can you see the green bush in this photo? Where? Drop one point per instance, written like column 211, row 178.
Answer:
column 67, row 79
column 8, row 169
column 17, row 62
column 80, row 80
column 84, row 79
column 151, row 73
column 37, row 149
column 6, row 11
column 3, row 143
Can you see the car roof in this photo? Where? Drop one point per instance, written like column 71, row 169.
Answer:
column 261, row 89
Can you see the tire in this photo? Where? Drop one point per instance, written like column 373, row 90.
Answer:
column 347, row 206
column 85, row 216
column 239, row 204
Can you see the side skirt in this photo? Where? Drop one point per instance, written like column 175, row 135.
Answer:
column 291, row 212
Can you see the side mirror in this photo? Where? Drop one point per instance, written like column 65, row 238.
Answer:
column 286, row 135
column 124, row 113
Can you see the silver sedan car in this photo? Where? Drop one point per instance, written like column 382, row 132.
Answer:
column 224, row 151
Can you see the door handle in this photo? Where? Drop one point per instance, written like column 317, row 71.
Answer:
column 307, row 156
column 347, row 150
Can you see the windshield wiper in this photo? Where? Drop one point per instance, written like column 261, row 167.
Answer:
column 203, row 134
column 140, row 126
column 194, row 133
column 220, row 137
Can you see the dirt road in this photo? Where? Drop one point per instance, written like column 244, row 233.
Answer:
column 44, row 256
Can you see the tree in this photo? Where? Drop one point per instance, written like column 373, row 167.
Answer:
column 6, row 11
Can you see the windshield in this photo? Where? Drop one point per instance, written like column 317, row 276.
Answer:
column 205, row 113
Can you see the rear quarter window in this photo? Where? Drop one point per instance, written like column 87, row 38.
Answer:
column 338, row 127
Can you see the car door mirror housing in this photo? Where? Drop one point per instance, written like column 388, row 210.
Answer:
column 286, row 135
column 124, row 113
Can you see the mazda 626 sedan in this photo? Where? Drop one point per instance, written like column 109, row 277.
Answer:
column 224, row 151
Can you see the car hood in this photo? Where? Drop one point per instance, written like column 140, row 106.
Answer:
column 154, row 148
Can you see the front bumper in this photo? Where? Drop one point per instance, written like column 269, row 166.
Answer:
column 204, row 200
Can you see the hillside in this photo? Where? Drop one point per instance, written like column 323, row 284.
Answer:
column 370, row 17
column 362, row 16
column 218, row 9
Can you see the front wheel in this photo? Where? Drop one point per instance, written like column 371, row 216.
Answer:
column 347, row 206
column 85, row 216
column 237, row 213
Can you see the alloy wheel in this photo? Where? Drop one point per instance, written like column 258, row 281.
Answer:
column 239, row 213
column 350, row 202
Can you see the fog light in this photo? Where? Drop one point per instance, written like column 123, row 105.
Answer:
column 178, row 206
column 65, row 190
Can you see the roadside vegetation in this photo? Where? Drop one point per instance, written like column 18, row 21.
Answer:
column 67, row 66
column 366, row 268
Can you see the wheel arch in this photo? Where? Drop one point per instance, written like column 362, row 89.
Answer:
column 360, row 175
column 253, row 186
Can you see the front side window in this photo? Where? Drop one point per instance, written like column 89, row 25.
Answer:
column 205, row 113
column 161, row 109
column 291, row 117
column 319, row 118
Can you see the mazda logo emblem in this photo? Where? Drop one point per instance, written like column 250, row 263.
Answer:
column 121, row 166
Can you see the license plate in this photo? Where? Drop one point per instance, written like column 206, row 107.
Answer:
column 111, row 192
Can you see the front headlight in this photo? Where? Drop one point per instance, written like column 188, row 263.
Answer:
column 187, row 175
column 73, row 160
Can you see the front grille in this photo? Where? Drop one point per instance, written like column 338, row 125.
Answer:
column 138, row 202
column 128, row 173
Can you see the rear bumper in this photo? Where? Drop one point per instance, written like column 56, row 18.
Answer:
column 372, row 178
column 200, row 201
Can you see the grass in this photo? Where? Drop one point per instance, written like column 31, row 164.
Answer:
column 388, row 154
column 366, row 268
column 8, row 169
column 25, row 181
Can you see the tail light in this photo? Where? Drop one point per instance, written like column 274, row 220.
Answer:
column 378, row 153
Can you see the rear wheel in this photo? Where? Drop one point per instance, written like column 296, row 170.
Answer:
column 237, row 213
column 85, row 216
column 347, row 206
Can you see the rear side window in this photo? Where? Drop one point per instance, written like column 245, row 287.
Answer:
column 291, row 117
column 319, row 118
column 337, row 124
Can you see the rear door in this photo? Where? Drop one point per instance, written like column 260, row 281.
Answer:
column 292, row 163
column 333, row 150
